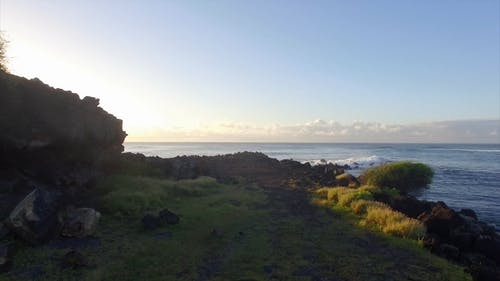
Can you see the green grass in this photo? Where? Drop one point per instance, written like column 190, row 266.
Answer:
column 403, row 176
column 129, row 195
column 242, row 232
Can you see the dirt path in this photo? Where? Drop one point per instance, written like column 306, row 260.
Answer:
column 331, row 249
column 308, row 242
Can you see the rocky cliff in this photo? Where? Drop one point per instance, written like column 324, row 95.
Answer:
column 51, row 137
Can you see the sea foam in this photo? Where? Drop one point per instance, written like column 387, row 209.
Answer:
column 353, row 163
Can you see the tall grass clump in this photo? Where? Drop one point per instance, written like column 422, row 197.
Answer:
column 383, row 218
column 373, row 214
column 343, row 197
column 403, row 176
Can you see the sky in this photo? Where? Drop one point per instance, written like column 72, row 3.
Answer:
column 271, row 70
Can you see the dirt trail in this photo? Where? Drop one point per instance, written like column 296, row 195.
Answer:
column 326, row 241
column 308, row 242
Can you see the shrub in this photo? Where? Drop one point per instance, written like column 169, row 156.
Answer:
column 403, row 176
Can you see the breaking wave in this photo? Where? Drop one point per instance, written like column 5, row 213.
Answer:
column 354, row 163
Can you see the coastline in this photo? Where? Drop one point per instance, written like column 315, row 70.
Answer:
column 73, row 204
column 466, row 176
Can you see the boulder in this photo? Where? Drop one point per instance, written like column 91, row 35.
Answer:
column 441, row 220
column 449, row 251
column 80, row 222
column 481, row 268
column 35, row 218
column 488, row 246
column 150, row 222
column 6, row 251
column 347, row 180
column 167, row 217
column 74, row 260
column 468, row 213
column 408, row 205
column 462, row 239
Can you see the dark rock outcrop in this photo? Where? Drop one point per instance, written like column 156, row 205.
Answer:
column 406, row 204
column 459, row 236
column 248, row 166
column 35, row 218
column 441, row 220
column 52, row 136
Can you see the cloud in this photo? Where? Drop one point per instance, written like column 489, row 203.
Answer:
column 459, row 131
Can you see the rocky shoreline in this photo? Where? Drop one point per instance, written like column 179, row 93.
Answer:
column 55, row 146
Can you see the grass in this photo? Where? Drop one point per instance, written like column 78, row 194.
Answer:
column 132, row 196
column 232, row 232
column 372, row 214
column 403, row 176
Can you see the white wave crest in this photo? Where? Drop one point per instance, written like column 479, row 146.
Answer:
column 353, row 163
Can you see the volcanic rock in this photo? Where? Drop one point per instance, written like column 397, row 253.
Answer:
column 35, row 218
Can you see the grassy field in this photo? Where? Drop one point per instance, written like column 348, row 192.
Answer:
column 238, row 232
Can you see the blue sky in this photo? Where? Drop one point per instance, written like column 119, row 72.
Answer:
column 194, row 69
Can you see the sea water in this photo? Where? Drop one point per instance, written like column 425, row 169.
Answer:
column 466, row 175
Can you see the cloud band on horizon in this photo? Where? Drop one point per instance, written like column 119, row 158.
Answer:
column 456, row 131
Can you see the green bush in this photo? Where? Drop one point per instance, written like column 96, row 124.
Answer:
column 403, row 176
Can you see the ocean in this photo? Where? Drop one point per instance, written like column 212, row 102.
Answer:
column 466, row 175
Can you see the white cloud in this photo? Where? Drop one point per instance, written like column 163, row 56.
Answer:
column 460, row 131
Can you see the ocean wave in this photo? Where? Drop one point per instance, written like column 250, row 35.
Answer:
column 353, row 163
column 468, row 150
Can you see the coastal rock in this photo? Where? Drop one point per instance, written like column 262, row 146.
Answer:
column 440, row 220
column 249, row 166
column 449, row 251
column 468, row 213
column 488, row 246
column 35, row 218
column 167, row 217
column 80, row 222
column 408, row 205
column 347, row 180
column 6, row 251
column 481, row 268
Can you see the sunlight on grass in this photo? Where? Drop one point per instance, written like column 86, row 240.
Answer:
column 373, row 214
